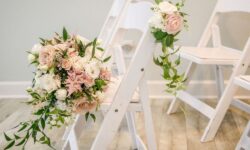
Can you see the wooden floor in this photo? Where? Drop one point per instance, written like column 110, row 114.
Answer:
column 180, row 131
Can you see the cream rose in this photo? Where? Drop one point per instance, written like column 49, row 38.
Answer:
column 93, row 69
column 61, row 94
column 174, row 23
column 46, row 56
column 166, row 7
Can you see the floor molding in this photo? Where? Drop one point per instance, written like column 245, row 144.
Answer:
column 17, row 89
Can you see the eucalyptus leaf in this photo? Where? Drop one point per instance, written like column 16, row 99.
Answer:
column 107, row 59
column 7, row 137
column 65, row 34
column 9, row 145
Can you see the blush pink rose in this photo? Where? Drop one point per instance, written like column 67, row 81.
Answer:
column 46, row 56
column 66, row 64
column 80, row 105
column 105, row 74
column 174, row 23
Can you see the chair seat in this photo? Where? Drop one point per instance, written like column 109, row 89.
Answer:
column 210, row 56
column 243, row 81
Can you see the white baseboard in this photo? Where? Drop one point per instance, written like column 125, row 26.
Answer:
column 201, row 89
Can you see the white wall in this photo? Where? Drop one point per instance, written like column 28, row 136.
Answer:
column 22, row 22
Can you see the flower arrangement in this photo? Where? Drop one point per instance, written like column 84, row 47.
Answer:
column 70, row 78
column 166, row 24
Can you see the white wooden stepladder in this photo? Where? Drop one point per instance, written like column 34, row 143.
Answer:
column 239, row 79
column 133, row 77
column 217, row 56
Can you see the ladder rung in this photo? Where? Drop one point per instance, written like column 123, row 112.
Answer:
column 196, row 103
column 241, row 105
column 243, row 82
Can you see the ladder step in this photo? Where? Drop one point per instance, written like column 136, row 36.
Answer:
column 241, row 105
column 196, row 103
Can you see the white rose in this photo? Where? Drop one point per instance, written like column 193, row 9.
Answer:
column 43, row 67
column 166, row 7
column 49, row 82
column 36, row 49
column 93, row 69
column 156, row 21
column 31, row 58
column 61, row 94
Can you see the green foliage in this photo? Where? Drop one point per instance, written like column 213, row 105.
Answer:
column 167, row 62
column 107, row 59
column 94, row 47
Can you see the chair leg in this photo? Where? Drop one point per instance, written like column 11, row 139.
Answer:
column 219, row 80
column 148, row 121
column 175, row 102
column 220, row 111
column 132, row 129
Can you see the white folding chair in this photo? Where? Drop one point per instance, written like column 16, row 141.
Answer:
column 133, row 77
column 118, row 8
column 111, row 20
column 217, row 56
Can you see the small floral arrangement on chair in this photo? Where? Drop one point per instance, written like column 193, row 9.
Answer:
column 70, row 78
column 166, row 24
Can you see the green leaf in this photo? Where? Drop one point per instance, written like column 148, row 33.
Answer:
column 159, row 35
column 16, row 137
column 107, row 59
column 101, row 49
column 178, row 60
column 21, row 142
column 65, row 34
column 94, row 46
column 87, row 116
column 9, row 145
column 169, row 40
column 39, row 112
column 81, row 49
column 157, row 62
column 7, row 137
column 42, row 138
column 99, row 84
column 93, row 117
column 42, row 123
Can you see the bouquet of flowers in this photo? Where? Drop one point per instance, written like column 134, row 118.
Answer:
column 70, row 78
column 166, row 24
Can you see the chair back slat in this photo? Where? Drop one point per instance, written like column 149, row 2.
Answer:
column 137, row 16
column 222, row 6
column 225, row 6
column 111, row 20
